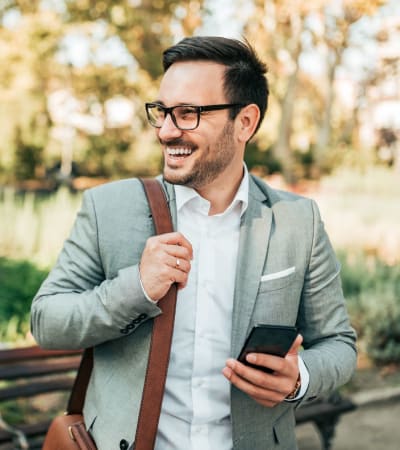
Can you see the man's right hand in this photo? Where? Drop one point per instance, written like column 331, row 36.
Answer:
column 165, row 260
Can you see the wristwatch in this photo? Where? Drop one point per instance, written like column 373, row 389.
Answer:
column 296, row 389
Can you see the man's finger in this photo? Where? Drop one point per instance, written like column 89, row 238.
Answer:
column 294, row 349
column 177, row 239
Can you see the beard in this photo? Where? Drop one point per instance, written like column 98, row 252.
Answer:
column 209, row 165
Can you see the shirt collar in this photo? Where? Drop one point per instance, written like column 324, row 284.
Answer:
column 185, row 194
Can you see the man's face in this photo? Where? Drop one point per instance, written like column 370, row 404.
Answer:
column 198, row 157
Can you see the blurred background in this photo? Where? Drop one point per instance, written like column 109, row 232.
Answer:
column 73, row 79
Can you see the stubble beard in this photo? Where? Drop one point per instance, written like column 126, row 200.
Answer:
column 207, row 170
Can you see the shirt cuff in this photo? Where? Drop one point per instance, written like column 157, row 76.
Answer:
column 154, row 302
column 305, row 380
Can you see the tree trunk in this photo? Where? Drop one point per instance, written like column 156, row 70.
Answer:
column 282, row 150
column 324, row 131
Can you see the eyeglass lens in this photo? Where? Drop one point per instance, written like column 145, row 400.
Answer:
column 184, row 117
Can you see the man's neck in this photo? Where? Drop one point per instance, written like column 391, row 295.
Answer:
column 221, row 194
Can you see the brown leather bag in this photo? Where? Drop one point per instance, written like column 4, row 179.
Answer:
column 68, row 432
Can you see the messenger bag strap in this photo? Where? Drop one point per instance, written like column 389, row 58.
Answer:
column 160, row 345
column 78, row 392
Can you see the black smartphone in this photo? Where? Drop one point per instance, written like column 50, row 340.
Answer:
column 271, row 339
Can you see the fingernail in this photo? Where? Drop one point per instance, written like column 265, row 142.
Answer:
column 227, row 372
column 230, row 363
column 251, row 358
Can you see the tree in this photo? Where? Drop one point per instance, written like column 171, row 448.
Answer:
column 285, row 31
column 145, row 27
column 34, row 47
column 27, row 70
column 336, row 38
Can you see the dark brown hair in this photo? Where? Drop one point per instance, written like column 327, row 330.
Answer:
column 245, row 81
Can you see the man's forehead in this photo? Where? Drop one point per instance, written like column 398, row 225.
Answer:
column 188, row 80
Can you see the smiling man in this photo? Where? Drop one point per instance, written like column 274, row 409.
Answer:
column 241, row 254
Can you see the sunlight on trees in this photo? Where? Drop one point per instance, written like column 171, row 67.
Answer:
column 103, row 59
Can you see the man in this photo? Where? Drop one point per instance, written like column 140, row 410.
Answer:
column 242, row 254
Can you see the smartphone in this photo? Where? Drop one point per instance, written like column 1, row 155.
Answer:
column 271, row 339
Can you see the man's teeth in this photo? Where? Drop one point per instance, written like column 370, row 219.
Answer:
column 179, row 151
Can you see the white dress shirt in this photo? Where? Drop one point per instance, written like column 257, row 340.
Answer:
column 195, row 412
column 196, row 406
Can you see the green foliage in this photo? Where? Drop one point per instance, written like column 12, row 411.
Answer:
column 19, row 281
column 35, row 65
column 27, row 158
column 312, row 130
column 256, row 159
column 372, row 289
column 382, row 325
column 33, row 227
column 34, row 410
column 145, row 27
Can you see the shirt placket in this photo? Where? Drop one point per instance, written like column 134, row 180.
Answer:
column 202, row 352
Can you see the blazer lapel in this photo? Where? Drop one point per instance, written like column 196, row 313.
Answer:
column 254, row 237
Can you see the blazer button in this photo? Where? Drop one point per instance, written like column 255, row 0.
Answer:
column 124, row 444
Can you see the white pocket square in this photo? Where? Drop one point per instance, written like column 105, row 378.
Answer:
column 280, row 274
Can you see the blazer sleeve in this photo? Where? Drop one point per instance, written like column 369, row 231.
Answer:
column 77, row 306
column 329, row 340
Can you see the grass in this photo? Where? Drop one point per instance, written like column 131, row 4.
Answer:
column 33, row 227
column 361, row 211
column 32, row 231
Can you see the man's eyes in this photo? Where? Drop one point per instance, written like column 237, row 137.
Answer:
column 159, row 110
column 186, row 110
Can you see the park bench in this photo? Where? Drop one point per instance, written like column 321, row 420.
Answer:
column 30, row 372
column 27, row 373
column 324, row 412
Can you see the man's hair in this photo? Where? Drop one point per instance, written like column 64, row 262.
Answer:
column 244, row 82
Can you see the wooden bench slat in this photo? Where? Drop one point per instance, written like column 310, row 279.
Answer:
column 322, row 410
column 29, row 369
column 36, row 388
column 35, row 352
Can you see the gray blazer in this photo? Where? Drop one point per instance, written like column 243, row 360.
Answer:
column 287, row 274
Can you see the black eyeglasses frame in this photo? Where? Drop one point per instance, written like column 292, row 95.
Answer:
column 199, row 109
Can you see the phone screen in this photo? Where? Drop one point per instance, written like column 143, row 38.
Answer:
column 270, row 339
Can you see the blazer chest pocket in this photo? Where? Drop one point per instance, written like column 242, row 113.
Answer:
column 277, row 280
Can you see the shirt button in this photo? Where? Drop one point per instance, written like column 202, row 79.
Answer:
column 198, row 383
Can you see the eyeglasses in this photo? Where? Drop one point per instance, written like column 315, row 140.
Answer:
column 184, row 117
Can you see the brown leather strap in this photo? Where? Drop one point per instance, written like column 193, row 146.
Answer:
column 82, row 438
column 162, row 333
column 78, row 392
column 158, row 205
column 160, row 346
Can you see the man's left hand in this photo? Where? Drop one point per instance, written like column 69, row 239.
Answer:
column 268, row 389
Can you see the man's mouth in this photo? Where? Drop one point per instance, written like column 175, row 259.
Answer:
column 179, row 151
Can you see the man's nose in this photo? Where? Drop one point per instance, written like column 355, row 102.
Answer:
column 168, row 129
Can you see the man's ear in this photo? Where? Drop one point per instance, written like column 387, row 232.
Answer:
column 247, row 121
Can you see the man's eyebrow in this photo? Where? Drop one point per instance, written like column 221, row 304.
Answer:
column 160, row 102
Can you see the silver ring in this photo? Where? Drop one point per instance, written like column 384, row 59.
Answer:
column 178, row 263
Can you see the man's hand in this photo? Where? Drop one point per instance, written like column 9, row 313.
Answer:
column 266, row 389
column 165, row 260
